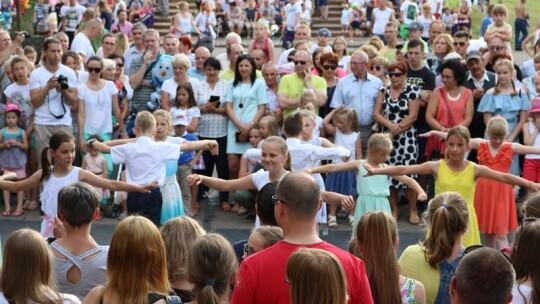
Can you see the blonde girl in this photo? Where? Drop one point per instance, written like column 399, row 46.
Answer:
column 27, row 272
column 136, row 266
column 376, row 241
column 495, row 201
column 342, row 123
column 246, row 198
column 442, row 46
column 447, row 218
column 122, row 44
column 316, row 276
column 212, row 264
column 53, row 177
column 506, row 101
column 372, row 192
column 268, row 126
column 182, row 23
column 455, row 173
column 263, row 42
column 308, row 100
column 179, row 233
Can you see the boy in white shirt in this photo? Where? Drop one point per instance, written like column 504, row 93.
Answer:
column 145, row 161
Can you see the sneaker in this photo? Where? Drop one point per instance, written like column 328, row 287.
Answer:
column 332, row 222
column 351, row 220
column 250, row 218
column 122, row 215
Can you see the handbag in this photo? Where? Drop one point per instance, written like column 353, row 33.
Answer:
column 436, row 146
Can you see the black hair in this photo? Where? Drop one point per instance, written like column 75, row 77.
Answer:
column 237, row 76
column 415, row 43
column 213, row 63
column 186, row 86
column 265, row 204
column 293, row 125
column 458, row 68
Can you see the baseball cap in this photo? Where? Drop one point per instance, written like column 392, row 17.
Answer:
column 180, row 120
column 416, row 26
column 12, row 107
column 474, row 55
column 324, row 32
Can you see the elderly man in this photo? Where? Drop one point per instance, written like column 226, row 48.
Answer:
column 359, row 91
column 483, row 276
column 259, row 56
column 270, row 74
column 230, row 39
column 261, row 276
column 139, row 78
column 201, row 54
column 293, row 85
column 138, row 46
column 302, row 33
column 233, row 52
column 170, row 44
column 81, row 43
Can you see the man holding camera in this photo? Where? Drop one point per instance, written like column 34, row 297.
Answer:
column 52, row 91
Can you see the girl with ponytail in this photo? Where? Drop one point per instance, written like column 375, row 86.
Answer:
column 60, row 172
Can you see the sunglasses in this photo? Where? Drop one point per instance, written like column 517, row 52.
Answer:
column 330, row 67
column 395, row 75
column 377, row 68
column 248, row 250
column 461, row 43
column 94, row 70
column 275, row 199
column 496, row 48
column 299, row 62
column 290, row 59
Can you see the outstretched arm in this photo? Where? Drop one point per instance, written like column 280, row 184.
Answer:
column 422, row 196
column 244, row 183
column 443, row 135
column 206, row 144
column 100, row 182
column 348, row 166
column 485, row 172
column 521, row 149
column 337, row 199
column 429, row 167
column 29, row 183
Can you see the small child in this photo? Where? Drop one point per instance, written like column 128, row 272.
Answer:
column 14, row 145
column 345, row 18
column 134, row 9
column 31, row 54
column 246, row 198
column 372, row 193
column 185, row 107
column 499, row 27
column 146, row 14
column 308, row 100
column 268, row 126
column 344, row 130
column 449, row 19
column 39, row 21
column 94, row 162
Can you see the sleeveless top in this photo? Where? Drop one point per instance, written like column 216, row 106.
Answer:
column 536, row 142
column 447, row 270
column 265, row 47
column 12, row 157
column 93, row 271
column 184, row 24
column 408, row 291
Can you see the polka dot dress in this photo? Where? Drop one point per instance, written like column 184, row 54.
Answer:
column 405, row 144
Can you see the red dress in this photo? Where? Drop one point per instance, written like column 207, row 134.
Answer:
column 494, row 201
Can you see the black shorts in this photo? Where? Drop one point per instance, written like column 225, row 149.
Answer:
column 146, row 204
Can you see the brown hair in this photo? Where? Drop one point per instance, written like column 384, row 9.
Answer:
column 280, row 142
column 329, row 57
column 459, row 131
column 531, row 207
column 56, row 140
column 525, row 257
column 191, row 100
column 400, row 65
column 271, row 123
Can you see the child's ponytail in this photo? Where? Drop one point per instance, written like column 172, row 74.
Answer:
column 45, row 165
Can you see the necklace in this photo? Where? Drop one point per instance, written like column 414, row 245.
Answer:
column 243, row 93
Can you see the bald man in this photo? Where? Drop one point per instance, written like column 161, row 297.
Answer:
column 82, row 44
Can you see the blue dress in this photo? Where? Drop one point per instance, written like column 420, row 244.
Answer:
column 246, row 99
column 373, row 192
column 172, row 205
column 508, row 107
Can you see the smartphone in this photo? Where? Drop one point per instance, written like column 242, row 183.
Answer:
column 215, row 100
column 238, row 140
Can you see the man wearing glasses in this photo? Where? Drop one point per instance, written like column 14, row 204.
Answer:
column 498, row 48
column 261, row 278
column 359, row 90
column 293, row 85
column 461, row 43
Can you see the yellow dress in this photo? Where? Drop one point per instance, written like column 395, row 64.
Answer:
column 463, row 183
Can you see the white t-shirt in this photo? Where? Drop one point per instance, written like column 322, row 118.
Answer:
column 68, row 299
column 410, row 11
column 145, row 159
column 434, row 6
column 519, row 291
column 53, row 101
column 20, row 95
column 73, row 16
column 170, row 87
column 344, row 62
column 97, row 107
column 382, row 17
column 426, row 23
column 82, row 45
column 187, row 114
column 290, row 11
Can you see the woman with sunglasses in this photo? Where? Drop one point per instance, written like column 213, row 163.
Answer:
column 125, row 92
column 318, row 64
column 378, row 67
column 97, row 101
column 396, row 110
column 329, row 63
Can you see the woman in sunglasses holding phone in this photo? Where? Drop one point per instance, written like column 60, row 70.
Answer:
column 329, row 63
column 396, row 110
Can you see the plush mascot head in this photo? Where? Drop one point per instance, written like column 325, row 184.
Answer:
column 161, row 71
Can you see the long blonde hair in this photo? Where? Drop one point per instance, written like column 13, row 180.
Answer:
column 316, row 276
column 27, row 271
column 136, row 264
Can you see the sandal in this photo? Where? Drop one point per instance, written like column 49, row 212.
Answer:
column 235, row 208
column 225, row 206
column 414, row 219
column 351, row 220
column 241, row 211
column 17, row 213
column 332, row 222
column 32, row 206
column 6, row 213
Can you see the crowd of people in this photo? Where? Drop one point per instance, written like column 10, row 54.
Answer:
column 421, row 111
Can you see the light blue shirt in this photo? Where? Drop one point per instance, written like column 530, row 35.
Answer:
column 195, row 73
column 359, row 95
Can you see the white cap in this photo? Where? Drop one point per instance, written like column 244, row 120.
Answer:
column 180, row 120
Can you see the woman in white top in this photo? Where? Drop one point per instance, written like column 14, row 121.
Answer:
column 183, row 24
column 180, row 65
column 380, row 17
column 27, row 271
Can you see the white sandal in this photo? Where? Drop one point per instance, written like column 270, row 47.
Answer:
column 332, row 222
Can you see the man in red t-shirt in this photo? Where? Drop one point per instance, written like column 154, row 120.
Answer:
column 262, row 276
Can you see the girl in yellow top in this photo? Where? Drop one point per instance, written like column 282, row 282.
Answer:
column 456, row 174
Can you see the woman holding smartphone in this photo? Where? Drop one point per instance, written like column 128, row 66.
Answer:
column 245, row 104
column 210, row 97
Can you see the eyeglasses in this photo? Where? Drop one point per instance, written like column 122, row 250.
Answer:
column 248, row 250
column 275, row 199
column 460, row 43
column 446, row 77
column 395, row 75
column 356, row 62
column 93, row 70
column 496, row 48
column 109, row 43
column 290, row 59
column 330, row 67
column 119, row 65
column 300, row 62
column 377, row 68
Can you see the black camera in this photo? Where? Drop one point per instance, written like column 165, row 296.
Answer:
column 26, row 35
column 63, row 81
